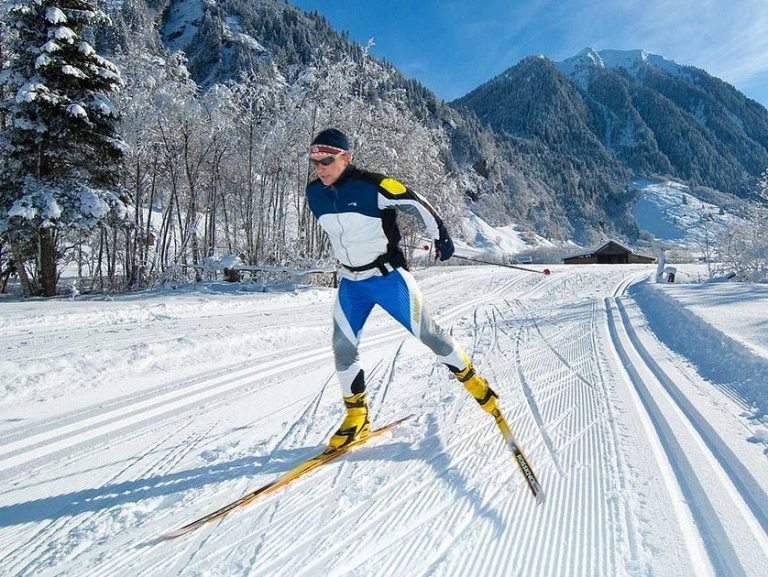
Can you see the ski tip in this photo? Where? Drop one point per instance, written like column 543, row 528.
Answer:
column 173, row 534
column 540, row 498
column 407, row 417
column 393, row 424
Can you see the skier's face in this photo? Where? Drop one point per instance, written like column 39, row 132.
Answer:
column 329, row 168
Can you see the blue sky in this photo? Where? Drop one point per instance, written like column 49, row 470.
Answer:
column 453, row 46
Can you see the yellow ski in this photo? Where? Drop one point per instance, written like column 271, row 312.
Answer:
column 299, row 470
column 520, row 458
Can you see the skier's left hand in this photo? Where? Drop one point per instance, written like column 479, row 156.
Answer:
column 444, row 245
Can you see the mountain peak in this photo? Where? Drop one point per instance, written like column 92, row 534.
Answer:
column 632, row 61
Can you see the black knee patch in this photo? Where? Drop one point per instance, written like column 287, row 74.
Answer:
column 358, row 384
column 471, row 373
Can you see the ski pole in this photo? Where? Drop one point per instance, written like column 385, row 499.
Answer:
column 545, row 272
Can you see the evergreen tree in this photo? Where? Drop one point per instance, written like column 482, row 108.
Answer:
column 62, row 153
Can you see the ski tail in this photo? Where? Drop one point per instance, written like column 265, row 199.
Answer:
column 522, row 461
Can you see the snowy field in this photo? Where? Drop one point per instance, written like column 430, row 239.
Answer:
column 643, row 408
column 668, row 212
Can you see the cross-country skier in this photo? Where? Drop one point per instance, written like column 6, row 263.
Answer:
column 356, row 209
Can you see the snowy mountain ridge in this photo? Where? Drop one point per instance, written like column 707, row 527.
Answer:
column 580, row 66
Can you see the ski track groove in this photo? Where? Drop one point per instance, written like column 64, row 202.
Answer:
column 390, row 376
column 620, row 472
column 112, row 421
column 558, row 354
column 747, row 486
column 161, row 464
column 41, row 538
column 374, row 378
column 531, row 400
column 707, row 517
column 90, row 448
column 132, row 333
column 124, row 402
column 299, row 430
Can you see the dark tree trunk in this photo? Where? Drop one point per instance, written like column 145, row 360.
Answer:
column 27, row 285
column 47, row 262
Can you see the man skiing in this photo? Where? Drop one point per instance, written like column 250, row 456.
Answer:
column 356, row 208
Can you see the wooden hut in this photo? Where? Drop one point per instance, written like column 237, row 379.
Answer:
column 611, row 252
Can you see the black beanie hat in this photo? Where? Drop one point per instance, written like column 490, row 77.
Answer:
column 332, row 137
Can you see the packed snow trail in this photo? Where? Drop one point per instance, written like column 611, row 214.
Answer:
column 647, row 467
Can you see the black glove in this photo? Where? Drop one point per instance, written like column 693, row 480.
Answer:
column 444, row 245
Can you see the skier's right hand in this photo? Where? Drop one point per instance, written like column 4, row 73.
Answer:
column 444, row 245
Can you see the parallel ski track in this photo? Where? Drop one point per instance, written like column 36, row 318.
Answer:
column 49, row 344
column 721, row 495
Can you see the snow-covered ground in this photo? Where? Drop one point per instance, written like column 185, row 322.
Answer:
column 643, row 409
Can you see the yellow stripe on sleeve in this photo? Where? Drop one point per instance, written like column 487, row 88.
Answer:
column 393, row 186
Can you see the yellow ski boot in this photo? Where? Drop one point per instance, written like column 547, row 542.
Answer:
column 478, row 388
column 355, row 426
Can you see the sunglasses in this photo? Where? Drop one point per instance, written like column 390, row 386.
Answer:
column 327, row 161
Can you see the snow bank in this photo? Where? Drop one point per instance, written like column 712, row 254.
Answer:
column 722, row 348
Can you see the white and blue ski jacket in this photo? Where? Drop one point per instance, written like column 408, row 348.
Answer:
column 358, row 214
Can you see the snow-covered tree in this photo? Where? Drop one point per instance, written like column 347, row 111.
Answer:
column 62, row 152
column 744, row 249
column 705, row 232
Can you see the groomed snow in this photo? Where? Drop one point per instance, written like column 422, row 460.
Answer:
column 642, row 408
